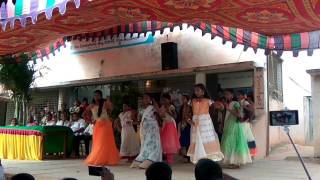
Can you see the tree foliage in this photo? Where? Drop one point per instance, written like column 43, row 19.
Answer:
column 18, row 78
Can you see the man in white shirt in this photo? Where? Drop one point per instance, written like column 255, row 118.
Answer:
column 88, row 137
column 78, row 126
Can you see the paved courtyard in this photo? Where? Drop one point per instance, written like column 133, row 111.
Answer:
column 281, row 165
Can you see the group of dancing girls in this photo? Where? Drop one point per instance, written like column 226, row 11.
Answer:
column 159, row 133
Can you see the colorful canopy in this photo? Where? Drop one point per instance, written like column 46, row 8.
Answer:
column 268, row 24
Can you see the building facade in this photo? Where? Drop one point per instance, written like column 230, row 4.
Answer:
column 315, row 85
column 82, row 67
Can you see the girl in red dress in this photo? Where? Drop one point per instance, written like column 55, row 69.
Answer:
column 169, row 135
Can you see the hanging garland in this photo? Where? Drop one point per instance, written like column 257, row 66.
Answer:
column 12, row 10
column 293, row 42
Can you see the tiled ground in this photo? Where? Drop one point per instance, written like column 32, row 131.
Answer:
column 275, row 168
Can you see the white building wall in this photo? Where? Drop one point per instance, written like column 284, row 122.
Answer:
column 194, row 50
column 296, row 85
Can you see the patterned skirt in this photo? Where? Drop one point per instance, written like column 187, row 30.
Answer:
column 250, row 139
column 204, row 140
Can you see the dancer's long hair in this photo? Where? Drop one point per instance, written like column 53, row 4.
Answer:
column 203, row 88
column 101, row 102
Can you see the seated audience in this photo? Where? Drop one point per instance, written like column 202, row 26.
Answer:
column 14, row 122
column 159, row 171
column 31, row 121
column 88, row 137
column 43, row 117
column 50, row 120
column 78, row 126
column 22, row 176
column 76, row 107
column 207, row 169
column 84, row 105
column 64, row 121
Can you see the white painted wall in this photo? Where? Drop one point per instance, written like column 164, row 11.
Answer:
column 194, row 50
column 296, row 85
column 315, row 83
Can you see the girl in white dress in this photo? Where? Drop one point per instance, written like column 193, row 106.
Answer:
column 130, row 146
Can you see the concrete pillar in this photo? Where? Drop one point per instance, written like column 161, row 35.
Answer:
column 315, row 88
column 62, row 99
column 201, row 78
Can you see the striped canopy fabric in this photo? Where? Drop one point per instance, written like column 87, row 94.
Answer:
column 10, row 10
column 287, row 25
column 293, row 42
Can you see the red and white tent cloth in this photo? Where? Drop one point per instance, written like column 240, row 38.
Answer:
column 288, row 25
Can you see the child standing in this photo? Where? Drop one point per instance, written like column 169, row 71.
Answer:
column 247, row 111
column 234, row 141
column 204, row 139
column 185, row 125
column 169, row 135
column 130, row 146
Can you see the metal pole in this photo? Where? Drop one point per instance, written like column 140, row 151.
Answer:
column 287, row 130
column 268, row 106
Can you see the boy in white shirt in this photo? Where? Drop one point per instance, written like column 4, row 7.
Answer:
column 78, row 126
column 88, row 137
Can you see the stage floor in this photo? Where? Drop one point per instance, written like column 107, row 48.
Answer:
column 281, row 165
column 260, row 170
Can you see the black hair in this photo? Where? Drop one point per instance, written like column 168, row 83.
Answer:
column 166, row 96
column 76, row 113
column 126, row 101
column 22, row 176
column 207, row 169
column 250, row 95
column 159, row 171
column 241, row 93
column 229, row 90
column 203, row 88
column 85, row 100
column 186, row 96
column 101, row 102
column 219, row 99
column 149, row 95
column 69, row 179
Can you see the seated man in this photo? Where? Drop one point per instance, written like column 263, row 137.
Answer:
column 14, row 122
column 31, row 121
column 88, row 137
column 50, row 120
column 78, row 126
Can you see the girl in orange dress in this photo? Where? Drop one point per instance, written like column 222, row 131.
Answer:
column 104, row 151
column 204, row 139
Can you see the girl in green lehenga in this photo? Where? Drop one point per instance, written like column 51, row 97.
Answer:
column 234, row 143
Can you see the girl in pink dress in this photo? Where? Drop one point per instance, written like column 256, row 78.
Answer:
column 169, row 136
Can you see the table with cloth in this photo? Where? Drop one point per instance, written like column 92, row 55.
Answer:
column 32, row 143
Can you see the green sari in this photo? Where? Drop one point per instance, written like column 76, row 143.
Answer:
column 234, row 142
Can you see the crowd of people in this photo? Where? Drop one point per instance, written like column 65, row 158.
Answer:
column 219, row 130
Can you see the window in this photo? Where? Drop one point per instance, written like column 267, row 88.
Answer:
column 275, row 77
